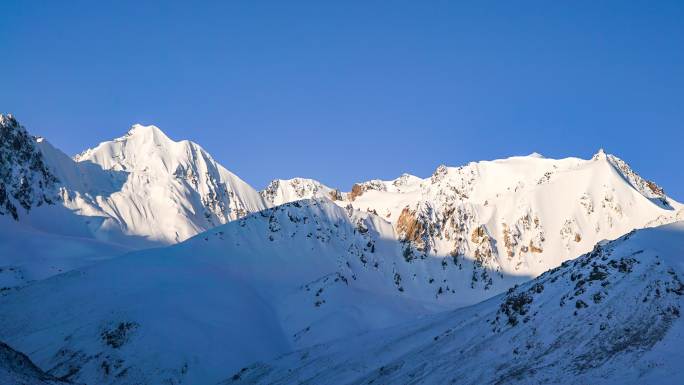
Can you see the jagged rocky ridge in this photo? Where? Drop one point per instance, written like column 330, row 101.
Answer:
column 281, row 191
column 25, row 180
column 612, row 316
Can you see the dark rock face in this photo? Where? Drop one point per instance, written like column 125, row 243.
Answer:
column 25, row 180
column 17, row 368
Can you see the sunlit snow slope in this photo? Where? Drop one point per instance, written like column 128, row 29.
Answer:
column 169, row 191
column 521, row 215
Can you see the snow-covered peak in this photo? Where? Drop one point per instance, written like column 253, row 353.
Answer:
column 600, row 155
column 140, row 130
column 143, row 135
column 167, row 190
column 141, row 147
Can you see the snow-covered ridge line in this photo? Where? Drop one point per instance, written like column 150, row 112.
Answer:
column 514, row 216
column 281, row 191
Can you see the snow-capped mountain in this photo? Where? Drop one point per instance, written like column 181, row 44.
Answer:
column 294, row 265
column 138, row 191
column 612, row 316
column 519, row 216
column 169, row 190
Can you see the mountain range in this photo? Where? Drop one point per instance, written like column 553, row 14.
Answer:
column 158, row 265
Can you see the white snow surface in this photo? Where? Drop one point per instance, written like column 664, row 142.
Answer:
column 254, row 288
column 286, row 278
column 29, row 254
column 612, row 316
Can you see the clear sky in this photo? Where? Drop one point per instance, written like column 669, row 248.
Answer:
column 352, row 90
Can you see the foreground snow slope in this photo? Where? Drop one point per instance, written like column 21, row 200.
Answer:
column 612, row 316
column 287, row 277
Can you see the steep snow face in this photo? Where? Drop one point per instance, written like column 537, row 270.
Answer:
column 281, row 191
column 612, row 316
column 164, row 191
column 25, row 181
column 516, row 216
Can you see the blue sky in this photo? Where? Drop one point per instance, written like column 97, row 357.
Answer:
column 353, row 90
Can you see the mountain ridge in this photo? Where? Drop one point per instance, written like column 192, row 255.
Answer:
column 293, row 266
column 144, row 190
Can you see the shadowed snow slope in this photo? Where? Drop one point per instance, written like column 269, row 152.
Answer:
column 286, row 277
column 612, row 316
